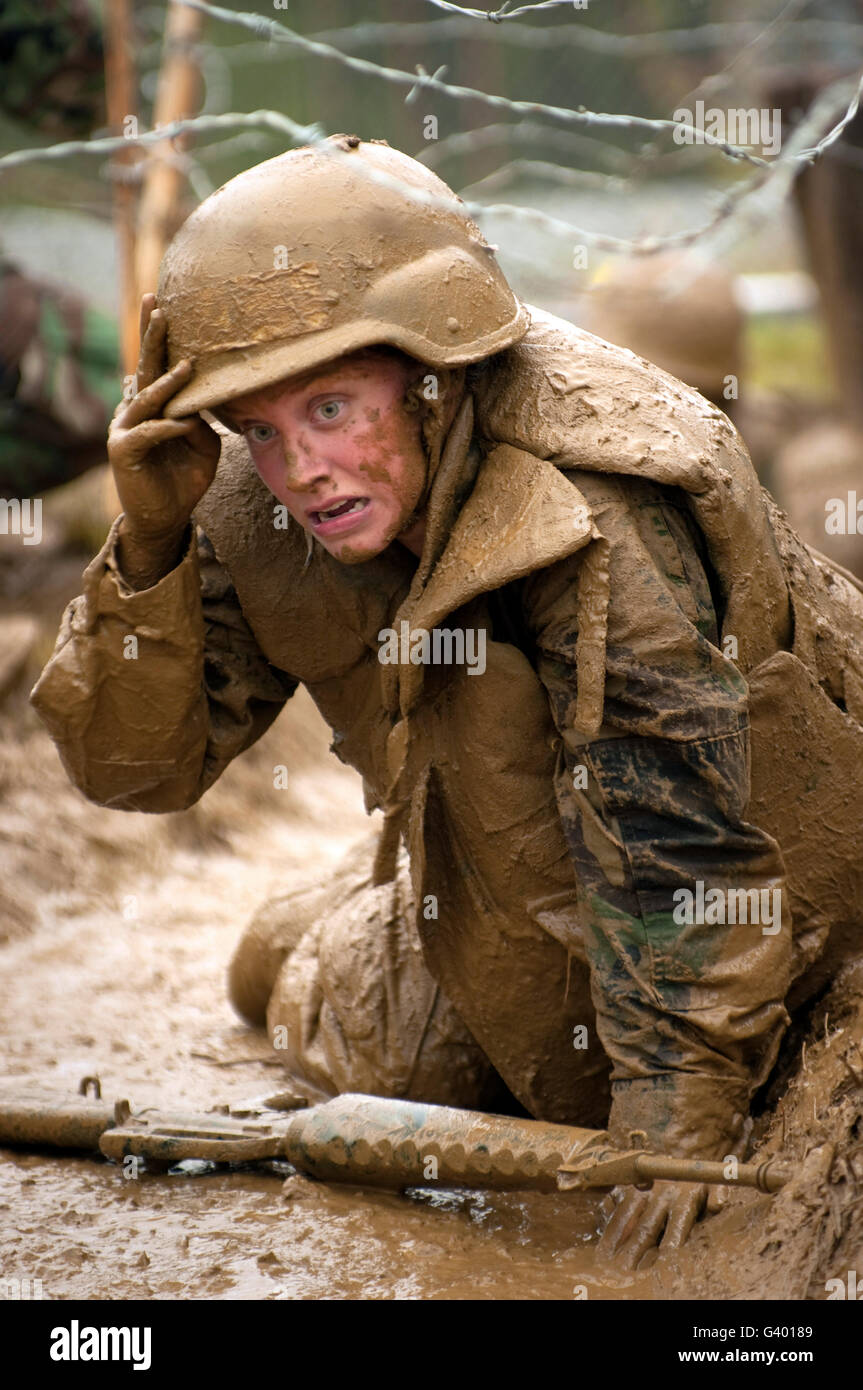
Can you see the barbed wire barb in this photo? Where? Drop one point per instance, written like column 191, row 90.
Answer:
column 502, row 12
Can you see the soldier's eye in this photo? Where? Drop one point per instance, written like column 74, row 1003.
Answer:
column 330, row 409
column 262, row 434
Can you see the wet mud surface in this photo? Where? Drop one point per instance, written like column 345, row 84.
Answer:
column 89, row 1234
column 121, row 974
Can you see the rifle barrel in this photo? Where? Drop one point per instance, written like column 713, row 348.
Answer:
column 73, row 1123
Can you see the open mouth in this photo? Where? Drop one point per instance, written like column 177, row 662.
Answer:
column 338, row 511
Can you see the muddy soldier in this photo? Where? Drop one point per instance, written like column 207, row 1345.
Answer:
column 58, row 383
column 671, row 694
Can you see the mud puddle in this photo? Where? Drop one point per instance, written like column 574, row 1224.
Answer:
column 87, row 1233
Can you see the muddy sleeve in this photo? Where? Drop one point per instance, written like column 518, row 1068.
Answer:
column 149, row 695
column 689, row 1002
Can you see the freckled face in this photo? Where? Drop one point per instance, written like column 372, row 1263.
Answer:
column 340, row 452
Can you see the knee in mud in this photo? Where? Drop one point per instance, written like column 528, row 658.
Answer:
column 262, row 949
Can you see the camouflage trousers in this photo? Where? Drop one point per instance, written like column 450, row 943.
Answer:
column 338, row 976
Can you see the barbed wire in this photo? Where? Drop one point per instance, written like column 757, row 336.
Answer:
column 806, row 32
column 750, row 52
column 752, row 33
column 601, row 38
column 815, row 151
column 743, row 57
column 540, row 168
column 112, row 144
column 483, row 137
column 313, row 135
column 423, row 81
column 503, row 11
column 728, row 205
column 809, row 142
column 759, row 199
column 752, row 202
column 768, row 195
column 746, row 199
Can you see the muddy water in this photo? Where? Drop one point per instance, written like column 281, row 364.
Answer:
column 123, row 977
column 86, row 1233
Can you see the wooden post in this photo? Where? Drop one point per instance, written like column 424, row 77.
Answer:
column 121, row 101
column 829, row 197
column 177, row 96
column 121, row 97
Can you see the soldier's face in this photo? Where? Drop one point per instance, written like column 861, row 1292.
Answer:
column 340, row 451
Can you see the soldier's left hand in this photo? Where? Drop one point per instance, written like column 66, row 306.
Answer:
column 641, row 1221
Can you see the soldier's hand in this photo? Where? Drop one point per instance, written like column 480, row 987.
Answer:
column 641, row 1221
column 162, row 468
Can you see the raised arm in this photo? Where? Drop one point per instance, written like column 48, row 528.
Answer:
column 156, row 682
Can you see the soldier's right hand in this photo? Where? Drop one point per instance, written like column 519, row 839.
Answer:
column 162, row 468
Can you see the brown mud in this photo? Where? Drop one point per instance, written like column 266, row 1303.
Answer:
column 120, row 972
column 116, row 934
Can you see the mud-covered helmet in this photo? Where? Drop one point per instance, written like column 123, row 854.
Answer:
column 308, row 256
column 675, row 309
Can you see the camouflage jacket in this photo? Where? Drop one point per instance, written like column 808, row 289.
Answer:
column 607, row 533
column 59, row 381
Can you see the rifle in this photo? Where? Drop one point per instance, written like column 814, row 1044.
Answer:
column 365, row 1140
